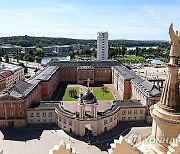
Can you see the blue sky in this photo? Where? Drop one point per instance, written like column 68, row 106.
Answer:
column 123, row 19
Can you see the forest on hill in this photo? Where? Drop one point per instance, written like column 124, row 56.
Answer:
column 118, row 49
column 28, row 41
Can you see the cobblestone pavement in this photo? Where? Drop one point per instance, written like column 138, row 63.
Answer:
column 73, row 105
column 42, row 142
column 39, row 139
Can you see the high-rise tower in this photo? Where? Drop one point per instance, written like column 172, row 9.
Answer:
column 166, row 113
column 102, row 45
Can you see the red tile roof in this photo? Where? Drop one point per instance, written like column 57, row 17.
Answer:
column 6, row 74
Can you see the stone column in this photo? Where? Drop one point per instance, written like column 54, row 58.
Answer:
column 166, row 113
column 92, row 111
column 5, row 110
column 170, row 99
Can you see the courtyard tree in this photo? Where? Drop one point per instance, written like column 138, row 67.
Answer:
column 137, row 51
column 38, row 59
column 25, row 68
column 6, row 57
column 123, row 52
column 73, row 92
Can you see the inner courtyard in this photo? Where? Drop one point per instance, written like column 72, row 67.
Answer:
column 101, row 91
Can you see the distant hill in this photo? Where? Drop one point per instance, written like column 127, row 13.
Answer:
column 26, row 41
column 137, row 43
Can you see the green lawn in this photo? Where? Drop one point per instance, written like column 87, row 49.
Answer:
column 103, row 95
column 131, row 59
column 66, row 96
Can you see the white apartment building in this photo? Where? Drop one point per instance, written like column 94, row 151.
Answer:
column 102, row 45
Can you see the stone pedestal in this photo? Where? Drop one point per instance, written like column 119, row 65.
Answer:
column 165, row 128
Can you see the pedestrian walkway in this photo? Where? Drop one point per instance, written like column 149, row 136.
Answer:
column 73, row 105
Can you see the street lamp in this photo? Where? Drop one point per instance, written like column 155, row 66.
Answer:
column 88, row 126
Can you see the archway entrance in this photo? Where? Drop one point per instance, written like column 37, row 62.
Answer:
column 88, row 132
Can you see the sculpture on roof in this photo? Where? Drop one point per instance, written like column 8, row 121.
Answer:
column 175, row 44
column 174, row 36
column 166, row 113
column 88, row 82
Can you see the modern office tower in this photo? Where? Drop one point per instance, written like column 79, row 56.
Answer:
column 102, row 45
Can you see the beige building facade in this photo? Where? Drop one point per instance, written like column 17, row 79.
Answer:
column 79, row 125
column 10, row 74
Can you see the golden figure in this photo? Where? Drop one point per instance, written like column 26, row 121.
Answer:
column 175, row 36
column 175, row 44
column 88, row 82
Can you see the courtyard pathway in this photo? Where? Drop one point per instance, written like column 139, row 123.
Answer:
column 73, row 105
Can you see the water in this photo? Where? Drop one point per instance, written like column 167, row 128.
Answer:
column 45, row 60
column 133, row 48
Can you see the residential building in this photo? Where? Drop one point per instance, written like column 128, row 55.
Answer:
column 102, row 45
column 8, row 48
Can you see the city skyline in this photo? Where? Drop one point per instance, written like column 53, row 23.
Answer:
column 142, row 20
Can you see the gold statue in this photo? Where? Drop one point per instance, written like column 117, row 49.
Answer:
column 88, row 82
column 175, row 36
column 175, row 43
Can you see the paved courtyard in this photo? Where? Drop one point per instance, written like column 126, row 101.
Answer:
column 40, row 139
column 73, row 105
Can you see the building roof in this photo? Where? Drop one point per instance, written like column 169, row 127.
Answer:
column 145, row 86
column 117, row 104
column 128, row 103
column 43, row 105
column 47, row 105
column 20, row 87
column 88, row 96
column 76, row 63
column 23, row 88
column 157, row 62
column 9, row 67
column 148, row 88
column 6, row 74
column 126, row 73
column 45, row 74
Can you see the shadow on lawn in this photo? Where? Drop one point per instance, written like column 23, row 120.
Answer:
column 75, row 97
column 59, row 92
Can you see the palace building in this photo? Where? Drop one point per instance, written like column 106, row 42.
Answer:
column 31, row 101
